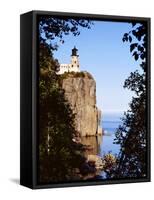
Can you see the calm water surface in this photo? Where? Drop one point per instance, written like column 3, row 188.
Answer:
column 101, row 145
column 104, row 144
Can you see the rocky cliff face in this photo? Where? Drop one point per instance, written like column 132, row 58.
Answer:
column 80, row 91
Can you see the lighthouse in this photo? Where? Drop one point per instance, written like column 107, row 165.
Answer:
column 73, row 66
column 75, row 58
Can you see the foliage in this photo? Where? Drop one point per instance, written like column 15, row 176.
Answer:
column 109, row 164
column 137, row 38
column 59, row 155
column 51, row 28
column 131, row 135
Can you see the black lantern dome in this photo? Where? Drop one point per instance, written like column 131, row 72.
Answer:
column 74, row 51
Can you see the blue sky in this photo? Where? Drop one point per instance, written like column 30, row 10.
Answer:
column 103, row 54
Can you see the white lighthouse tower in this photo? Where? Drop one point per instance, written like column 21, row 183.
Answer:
column 75, row 60
column 73, row 66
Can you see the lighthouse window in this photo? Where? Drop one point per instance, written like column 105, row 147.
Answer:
column 72, row 65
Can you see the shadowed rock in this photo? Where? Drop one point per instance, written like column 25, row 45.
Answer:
column 80, row 91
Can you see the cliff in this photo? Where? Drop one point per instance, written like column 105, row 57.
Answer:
column 80, row 91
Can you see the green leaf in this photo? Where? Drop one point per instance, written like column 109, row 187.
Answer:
column 132, row 46
column 136, row 56
column 130, row 39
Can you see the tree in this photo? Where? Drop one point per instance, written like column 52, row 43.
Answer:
column 59, row 155
column 131, row 135
column 60, row 158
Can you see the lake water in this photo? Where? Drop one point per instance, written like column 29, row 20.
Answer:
column 104, row 144
column 107, row 144
column 100, row 145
